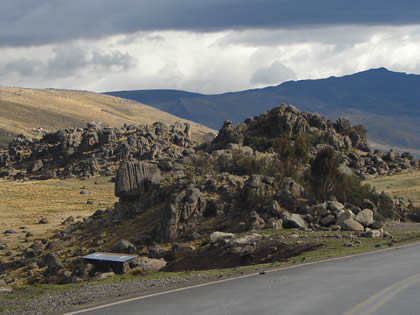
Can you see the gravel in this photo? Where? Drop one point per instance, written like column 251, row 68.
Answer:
column 29, row 301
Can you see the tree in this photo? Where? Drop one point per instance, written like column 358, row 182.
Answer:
column 325, row 175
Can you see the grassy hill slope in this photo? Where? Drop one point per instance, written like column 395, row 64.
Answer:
column 23, row 109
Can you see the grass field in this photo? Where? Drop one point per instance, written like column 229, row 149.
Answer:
column 402, row 185
column 25, row 203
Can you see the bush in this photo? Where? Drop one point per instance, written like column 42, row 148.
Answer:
column 244, row 164
column 385, row 204
column 325, row 177
column 204, row 163
column 350, row 189
column 361, row 131
column 414, row 214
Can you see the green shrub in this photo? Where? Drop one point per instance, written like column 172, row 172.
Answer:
column 414, row 214
column 204, row 163
column 245, row 164
column 386, row 208
column 350, row 189
column 324, row 176
column 361, row 131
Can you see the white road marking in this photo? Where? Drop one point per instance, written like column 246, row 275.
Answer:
column 236, row 278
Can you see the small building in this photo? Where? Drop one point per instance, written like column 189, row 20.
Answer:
column 105, row 262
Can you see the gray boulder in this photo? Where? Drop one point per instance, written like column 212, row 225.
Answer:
column 372, row 233
column 365, row 217
column 53, row 263
column 125, row 247
column 184, row 211
column 351, row 225
column 135, row 179
column 294, row 220
column 327, row 220
column 215, row 236
column 346, row 220
column 148, row 264
column 320, row 210
column 335, row 205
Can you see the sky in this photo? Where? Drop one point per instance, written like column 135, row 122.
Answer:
column 206, row 46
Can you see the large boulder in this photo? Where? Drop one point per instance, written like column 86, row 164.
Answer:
column 346, row 220
column 335, row 205
column 53, row 263
column 320, row 210
column 216, row 236
column 246, row 240
column 294, row 220
column 135, row 179
column 148, row 264
column 124, row 247
column 351, row 225
column 227, row 135
column 256, row 191
column 183, row 212
column 290, row 192
column 327, row 220
column 365, row 217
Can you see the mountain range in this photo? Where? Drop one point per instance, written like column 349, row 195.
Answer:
column 386, row 102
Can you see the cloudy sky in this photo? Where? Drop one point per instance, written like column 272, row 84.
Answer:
column 207, row 46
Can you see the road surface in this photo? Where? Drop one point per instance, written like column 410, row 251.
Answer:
column 384, row 282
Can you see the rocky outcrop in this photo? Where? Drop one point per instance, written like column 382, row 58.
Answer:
column 247, row 179
column 138, row 186
column 257, row 190
column 229, row 134
column 92, row 150
column 135, row 179
column 184, row 210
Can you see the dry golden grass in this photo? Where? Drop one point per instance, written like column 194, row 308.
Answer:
column 23, row 109
column 401, row 185
column 25, row 203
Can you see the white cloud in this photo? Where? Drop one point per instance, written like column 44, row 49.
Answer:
column 211, row 62
column 275, row 73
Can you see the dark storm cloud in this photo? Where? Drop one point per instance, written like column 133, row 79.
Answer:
column 23, row 67
column 68, row 60
column 34, row 22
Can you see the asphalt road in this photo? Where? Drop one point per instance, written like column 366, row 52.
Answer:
column 385, row 282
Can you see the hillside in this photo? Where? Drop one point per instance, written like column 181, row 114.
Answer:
column 22, row 110
column 177, row 204
column 386, row 102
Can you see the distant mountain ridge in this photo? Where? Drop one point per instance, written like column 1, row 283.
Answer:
column 387, row 102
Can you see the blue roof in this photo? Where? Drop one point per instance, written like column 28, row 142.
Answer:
column 109, row 257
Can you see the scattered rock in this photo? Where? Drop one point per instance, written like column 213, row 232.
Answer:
column 43, row 221
column 69, row 220
column 10, row 231
column 102, row 276
column 216, row 236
